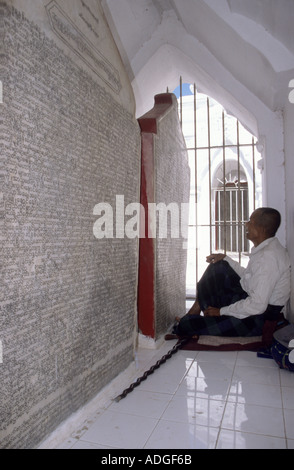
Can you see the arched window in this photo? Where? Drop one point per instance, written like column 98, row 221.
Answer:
column 231, row 209
column 225, row 183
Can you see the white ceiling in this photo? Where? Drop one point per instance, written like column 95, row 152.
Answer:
column 232, row 47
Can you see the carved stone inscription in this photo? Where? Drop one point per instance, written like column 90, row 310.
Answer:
column 91, row 16
column 68, row 32
column 67, row 300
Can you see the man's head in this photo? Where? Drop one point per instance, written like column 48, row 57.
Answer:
column 263, row 223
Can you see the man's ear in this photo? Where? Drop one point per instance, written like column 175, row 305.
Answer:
column 264, row 232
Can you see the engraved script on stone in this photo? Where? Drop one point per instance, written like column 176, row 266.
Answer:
column 67, row 31
column 93, row 17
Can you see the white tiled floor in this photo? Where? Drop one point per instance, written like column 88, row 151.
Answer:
column 195, row 400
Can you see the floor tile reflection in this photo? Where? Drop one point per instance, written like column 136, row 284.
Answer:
column 196, row 400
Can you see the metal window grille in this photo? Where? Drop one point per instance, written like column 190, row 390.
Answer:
column 225, row 183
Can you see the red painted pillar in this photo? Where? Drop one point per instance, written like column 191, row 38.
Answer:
column 147, row 279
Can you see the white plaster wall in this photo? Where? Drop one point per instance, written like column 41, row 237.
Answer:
column 289, row 167
column 166, row 66
column 240, row 53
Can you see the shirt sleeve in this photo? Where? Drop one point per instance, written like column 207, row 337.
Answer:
column 260, row 281
column 235, row 265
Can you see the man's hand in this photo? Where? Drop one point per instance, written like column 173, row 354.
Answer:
column 215, row 257
column 212, row 312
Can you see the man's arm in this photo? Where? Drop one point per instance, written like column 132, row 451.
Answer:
column 260, row 282
column 215, row 257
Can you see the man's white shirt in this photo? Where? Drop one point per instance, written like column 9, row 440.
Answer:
column 266, row 279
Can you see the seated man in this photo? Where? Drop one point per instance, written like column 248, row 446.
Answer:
column 236, row 301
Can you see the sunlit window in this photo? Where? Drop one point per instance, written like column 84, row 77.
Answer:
column 225, row 182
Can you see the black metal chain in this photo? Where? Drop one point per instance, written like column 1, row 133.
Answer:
column 161, row 361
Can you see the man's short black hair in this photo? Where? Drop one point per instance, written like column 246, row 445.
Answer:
column 270, row 219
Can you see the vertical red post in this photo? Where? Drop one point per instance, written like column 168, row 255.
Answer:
column 146, row 281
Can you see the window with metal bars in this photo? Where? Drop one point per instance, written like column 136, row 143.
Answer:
column 225, row 183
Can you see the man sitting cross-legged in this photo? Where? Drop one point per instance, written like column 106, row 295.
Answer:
column 236, row 301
